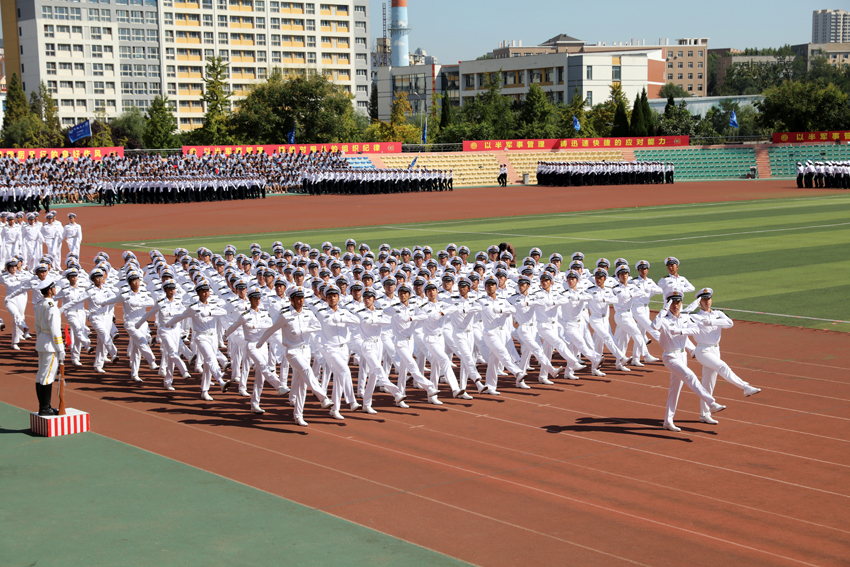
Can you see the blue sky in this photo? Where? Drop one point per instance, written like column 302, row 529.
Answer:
column 454, row 30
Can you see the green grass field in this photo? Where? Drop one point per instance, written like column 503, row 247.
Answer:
column 783, row 256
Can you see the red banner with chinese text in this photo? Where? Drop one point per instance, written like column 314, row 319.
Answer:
column 75, row 153
column 811, row 137
column 348, row 148
column 577, row 144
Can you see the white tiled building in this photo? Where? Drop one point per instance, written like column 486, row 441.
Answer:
column 115, row 54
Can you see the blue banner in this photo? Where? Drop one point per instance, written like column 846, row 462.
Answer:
column 80, row 131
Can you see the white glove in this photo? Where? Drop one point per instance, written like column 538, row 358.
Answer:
column 62, row 355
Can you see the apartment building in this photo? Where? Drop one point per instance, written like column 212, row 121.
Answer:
column 830, row 26
column 117, row 54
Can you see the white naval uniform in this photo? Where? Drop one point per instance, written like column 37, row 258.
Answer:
column 204, row 318
column 49, row 342
column 254, row 323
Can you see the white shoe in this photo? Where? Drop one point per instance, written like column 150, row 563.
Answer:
column 693, row 353
column 355, row 406
column 154, row 366
column 16, row 347
column 114, row 359
column 751, row 391
column 244, row 393
column 206, row 396
column 670, row 427
column 715, row 407
column 401, row 405
column 571, row 375
column 169, row 387
column 399, row 397
column 597, row 372
column 300, row 421
column 480, row 386
column 501, row 373
column 135, row 379
column 336, row 415
column 187, row 376
column 326, row 403
column 650, row 358
column 545, row 381
column 464, row 396
column 369, row 410
column 76, row 363
column 492, row 392
column 522, row 385
column 282, row 391
column 636, row 362
column 99, row 370
column 257, row 409
column 622, row 367
column 708, row 419
column 434, row 400
column 579, row 366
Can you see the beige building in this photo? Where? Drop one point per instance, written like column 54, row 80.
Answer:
column 830, row 26
column 117, row 54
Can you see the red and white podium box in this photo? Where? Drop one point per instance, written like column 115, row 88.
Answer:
column 74, row 421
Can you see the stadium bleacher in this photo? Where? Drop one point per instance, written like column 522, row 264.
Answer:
column 526, row 162
column 470, row 169
column 704, row 163
column 783, row 159
column 360, row 162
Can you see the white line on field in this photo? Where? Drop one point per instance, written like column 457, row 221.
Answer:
column 772, row 314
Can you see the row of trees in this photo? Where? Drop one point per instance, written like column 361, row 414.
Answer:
column 314, row 110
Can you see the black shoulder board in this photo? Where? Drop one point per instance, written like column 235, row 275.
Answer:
column 161, row 300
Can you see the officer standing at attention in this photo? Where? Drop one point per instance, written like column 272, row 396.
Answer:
column 49, row 345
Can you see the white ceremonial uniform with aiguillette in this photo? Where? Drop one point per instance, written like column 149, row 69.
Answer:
column 48, row 343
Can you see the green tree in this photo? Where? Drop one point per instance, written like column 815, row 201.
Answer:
column 487, row 117
column 397, row 129
column 50, row 115
column 576, row 107
column 648, row 114
column 373, row 103
column 101, row 133
column 603, row 114
column 621, row 128
column 161, row 125
column 16, row 105
column 26, row 132
column 672, row 90
column 711, row 74
column 796, row 106
column 319, row 110
column 447, row 112
column 536, row 116
column 129, row 127
column 216, row 128
column 638, row 123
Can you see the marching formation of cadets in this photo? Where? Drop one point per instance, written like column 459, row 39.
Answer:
column 579, row 174
column 829, row 175
column 311, row 312
column 30, row 185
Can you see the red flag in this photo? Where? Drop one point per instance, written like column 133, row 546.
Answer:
column 67, row 337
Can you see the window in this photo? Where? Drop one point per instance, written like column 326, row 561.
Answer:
column 222, row 38
column 274, row 7
column 153, row 53
column 153, row 70
column 65, row 67
column 274, row 23
column 169, row 36
column 361, row 72
column 275, row 56
column 122, row 16
column 360, row 10
column 80, row 87
column 95, row 33
column 680, row 76
column 311, row 57
column 207, row 4
column 97, row 51
column 224, row 54
column 51, row 87
column 589, row 98
column 94, row 15
column 208, row 20
column 81, row 104
column 690, row 76
column 67, row 103
column 699, row 64
column 311, row 25
column 670, row 65
column 310, row 9
column 168, row 20
column 109, row 68
column 680, row 54
column 138, row 53
column 169, row 53
column 690, row 88
column 105, row 15
column 669, row 76
column 50, row 49
column 360, row 26
column 276, row 40
column 259, row 6
column 172, row 88
column 260, row 23
column 51, row 68
column 48, row 31
column 66, row 85
column 690, row 53
column 126, row 88
column 208, row 53
column 65, row 49
column 699, row 87
column 138, row 35
column 150, row 18
column 311, row 41
column 137, row 17
column 141, row 88
column 261, row 57
column 152, row 36
column 325, row 23
column 140, row 70
column 360, row 41
column 209, row 38
column 616, row 72
column 76, row 14
column 690, row 64
column 361, row 58
column 124, row 34
column 47, row 13
column 680, row 65
column 699, row 75
column 261, row 39
column 63, row 29
column 62, row 14
column 362, row 89
column 99, row 87
column 97, row 69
